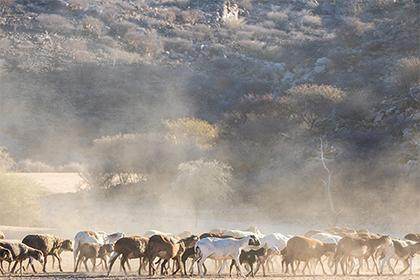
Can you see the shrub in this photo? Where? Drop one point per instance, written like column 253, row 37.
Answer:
column 311, row 20
column 6, row 3
column 77, row 5
column 178, row 45
column 408, row 72
column 230, row 16
column 311, row 105
column 278, row 17
column 93, row 26
column 203, row 183
column 199, row 131
column 190, row 17
column 55, row 23
column 147, row 43
column 351, row 30
column 152, row 154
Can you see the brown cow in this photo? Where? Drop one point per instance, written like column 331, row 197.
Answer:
column 350, row 247
column 165, row 248
column 48, row 245
column 133, row 247
column 301, row 248
column 92, row 251
column 21, row 252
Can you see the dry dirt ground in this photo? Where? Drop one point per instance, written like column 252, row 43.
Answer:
column 117, row 275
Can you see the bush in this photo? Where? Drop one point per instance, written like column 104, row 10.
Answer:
column 190, row 17
column 147, row 43
column 408, row 73
column 198, row 131
column 203, row 183
column 351, row 30
column 6, row 3
column 93, row 26
column 78, row 5
column 19, row 201
column 311, row 105
column 55, row 23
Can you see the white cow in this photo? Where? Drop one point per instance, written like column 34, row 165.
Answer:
column 407, row 250
column 97, row 237
column 223, row 249
column 242, row 233
column 329, row 238
column 274, row 242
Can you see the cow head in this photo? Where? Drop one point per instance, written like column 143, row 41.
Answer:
column 253, row 241
column 106, row 250
column 5, row 254
column 190, row 241
column 67, row 245
column 37, row 255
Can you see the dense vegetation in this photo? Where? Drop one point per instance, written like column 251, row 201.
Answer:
column 150, row 96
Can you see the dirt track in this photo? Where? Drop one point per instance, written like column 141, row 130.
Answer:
column 99, row 276
column 117, row 275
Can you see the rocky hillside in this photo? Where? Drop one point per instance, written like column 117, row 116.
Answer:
column 272, row 77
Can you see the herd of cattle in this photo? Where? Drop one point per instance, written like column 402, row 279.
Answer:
column 336, row 248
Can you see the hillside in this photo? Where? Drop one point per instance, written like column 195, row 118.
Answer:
column 155, row 88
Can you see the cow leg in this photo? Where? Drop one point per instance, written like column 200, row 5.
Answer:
column 14, row 267
column 306, row 266
column 232, row 263
column 237, row 265
column 162, row 267
column 32, row 265
column 342, row 263
column 85, row 263
column 122, row 263
column 406, row 265
column 128, row 265
column 292, row 263
column 390, row 266
column 177, row 262
column 45, row 264
column 411, row 259
column 111, row 262
column 200, row 265
column 322, row 266
column 222, row 267
column 75, row 253
column 55, row 255
column 94, row 264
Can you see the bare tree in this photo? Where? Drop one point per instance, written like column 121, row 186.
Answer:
column 327, row 182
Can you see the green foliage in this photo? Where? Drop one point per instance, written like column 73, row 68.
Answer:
column 19, row 201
